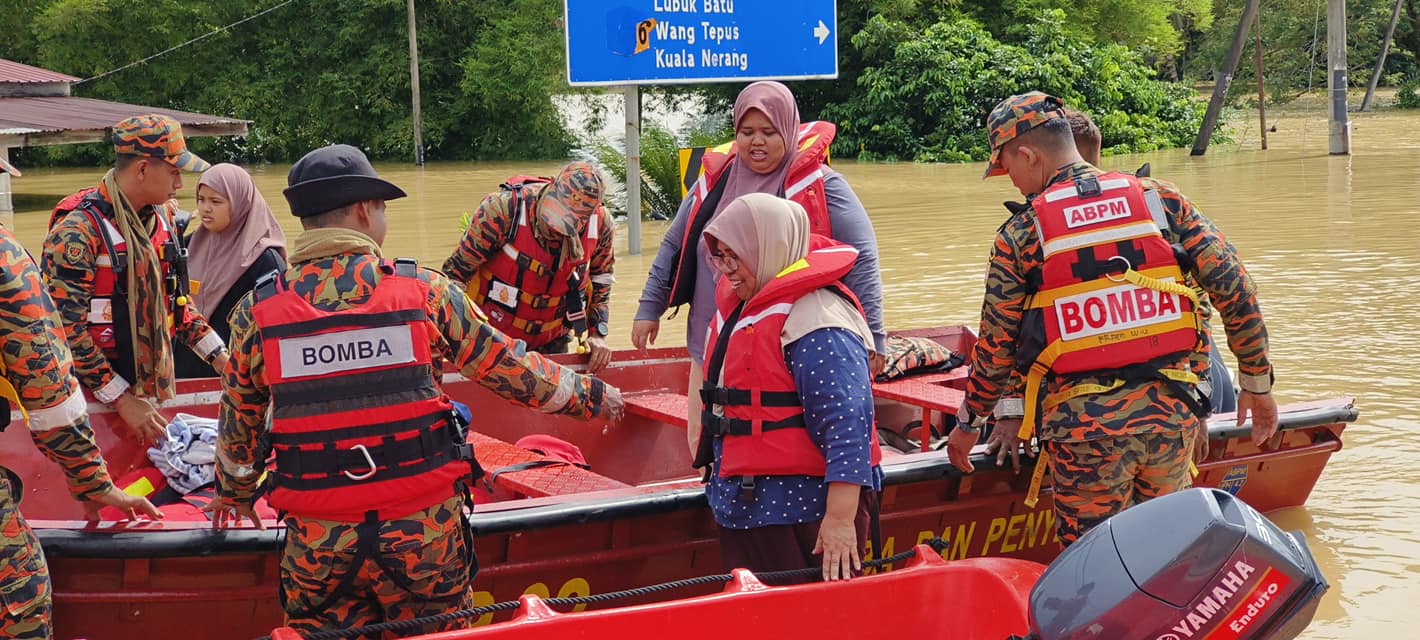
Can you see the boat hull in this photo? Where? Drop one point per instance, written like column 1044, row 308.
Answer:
column 645, row 523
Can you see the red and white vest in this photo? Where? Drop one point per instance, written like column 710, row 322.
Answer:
column 359, row 422
column 1096, row 316
column 523, row 289
column 108, row 306
column 763, row 420
column 803, row 184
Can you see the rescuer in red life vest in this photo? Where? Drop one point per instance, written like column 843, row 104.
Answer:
column 537, row 258
column 110, row 263
column 788, row 422
column 1084, row 302
column 344, row 353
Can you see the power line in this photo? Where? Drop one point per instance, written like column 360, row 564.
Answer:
column 179, row 46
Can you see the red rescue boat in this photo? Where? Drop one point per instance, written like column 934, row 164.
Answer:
column 638, row 517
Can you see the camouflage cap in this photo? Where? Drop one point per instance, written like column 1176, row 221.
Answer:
column 569, row 201
column 1014, row 116
column 156, row 136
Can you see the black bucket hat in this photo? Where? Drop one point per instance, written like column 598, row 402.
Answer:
column 332, row 177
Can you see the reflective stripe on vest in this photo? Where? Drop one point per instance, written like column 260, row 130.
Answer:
column 1111, row 293
column 802, row 184
column 522, row 288
column 359, row 421
column 760, row 417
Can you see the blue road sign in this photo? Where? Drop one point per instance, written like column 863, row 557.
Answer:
column 684, row 41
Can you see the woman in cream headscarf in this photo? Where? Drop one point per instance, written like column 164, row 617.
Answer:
column 781, row 518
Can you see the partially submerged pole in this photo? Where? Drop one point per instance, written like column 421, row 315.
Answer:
column 7, row 206
column 1339, row 139
column 633, row 169
column 1224, row 79
column 414, row 88
column 1261, row 89
column 1380, row 61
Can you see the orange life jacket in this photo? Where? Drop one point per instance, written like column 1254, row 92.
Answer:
column 803, row 184
column 1111, row 296
column 527, row 292
column 360, row 423
column 762, row 425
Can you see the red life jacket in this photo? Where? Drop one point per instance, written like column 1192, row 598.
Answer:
column 763, row 422
column 359, row 422
column 1111, row 295
column 525, row 291
column 108, row 304
column 803, row 184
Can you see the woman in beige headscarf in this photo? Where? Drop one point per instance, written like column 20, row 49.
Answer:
column 788, row 426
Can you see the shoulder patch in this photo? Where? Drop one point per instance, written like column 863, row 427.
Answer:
column 74, row 251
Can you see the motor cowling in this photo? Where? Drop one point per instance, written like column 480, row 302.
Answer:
column 1194, row 565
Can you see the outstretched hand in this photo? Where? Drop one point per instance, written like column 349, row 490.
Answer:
column 131, row 506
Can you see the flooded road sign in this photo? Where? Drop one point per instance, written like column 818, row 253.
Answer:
column 692, row 41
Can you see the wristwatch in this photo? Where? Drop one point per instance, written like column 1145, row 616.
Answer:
column 968, row 423
column 603, row 329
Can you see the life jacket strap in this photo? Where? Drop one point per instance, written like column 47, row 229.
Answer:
column 716, row 426
column 727, row 397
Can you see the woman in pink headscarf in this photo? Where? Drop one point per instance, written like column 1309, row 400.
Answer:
column 775, row 154
column 238, row 242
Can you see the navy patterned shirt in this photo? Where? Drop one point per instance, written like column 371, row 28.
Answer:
column 831, row 373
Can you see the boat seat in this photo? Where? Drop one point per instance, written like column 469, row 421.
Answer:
column 661, row 406
column 932, row 391
column 552, row 480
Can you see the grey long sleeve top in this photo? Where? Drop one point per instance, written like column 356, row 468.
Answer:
column 851, row 226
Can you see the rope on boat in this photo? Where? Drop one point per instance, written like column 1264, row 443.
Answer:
column 768, row 577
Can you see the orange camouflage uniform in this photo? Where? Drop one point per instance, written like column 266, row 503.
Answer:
column 1112, row 449
column 71, row 252
column 489, row 230
column 424, row 562
column 35, row 362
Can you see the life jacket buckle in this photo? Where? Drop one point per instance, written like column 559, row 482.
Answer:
column 746, row 487
column 368, row 460
column 1119, row 277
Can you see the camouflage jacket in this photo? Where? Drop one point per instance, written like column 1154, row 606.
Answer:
column 489, row 230
column 35, row 361
column 459, row 334
column 1017, row 251
column 71, row 252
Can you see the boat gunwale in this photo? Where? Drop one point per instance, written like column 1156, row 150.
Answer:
column 64, row 538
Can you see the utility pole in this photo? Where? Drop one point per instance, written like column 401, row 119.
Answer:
column 1261, row 88
column 1339, row 138
column 1225, row 78
column 633, row 169
column 1380, row 62
column 414, row 88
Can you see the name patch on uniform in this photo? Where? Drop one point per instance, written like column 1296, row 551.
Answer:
column 1114, row 309
column 503, row 294
column 100, row 311
column 1096, row 212
column 346, row 351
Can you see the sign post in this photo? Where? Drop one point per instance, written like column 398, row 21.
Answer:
column 636, row 42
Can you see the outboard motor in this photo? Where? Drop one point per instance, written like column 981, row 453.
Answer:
column 1194, row 565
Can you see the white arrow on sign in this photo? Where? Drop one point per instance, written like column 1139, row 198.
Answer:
column 821, row 32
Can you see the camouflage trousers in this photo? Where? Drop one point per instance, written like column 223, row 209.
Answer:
column 340, row 575
column 1096, row 479
column 24, row 576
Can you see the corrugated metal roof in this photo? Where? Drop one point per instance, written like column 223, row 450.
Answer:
column 34, row 115
column 16, row 73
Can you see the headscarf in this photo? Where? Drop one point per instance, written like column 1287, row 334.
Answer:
column 147, row 306
column 218, row 260
column 769, row 234
column 776, row 102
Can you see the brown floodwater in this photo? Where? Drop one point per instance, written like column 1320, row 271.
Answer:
column 1328, row 239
